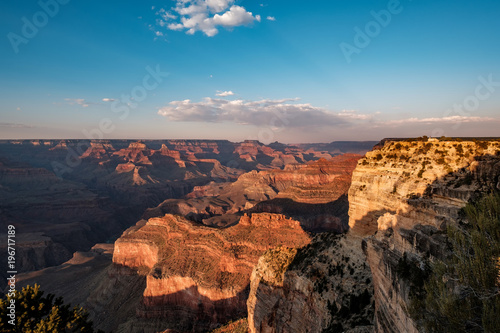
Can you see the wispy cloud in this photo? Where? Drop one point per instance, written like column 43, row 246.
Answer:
column 452, row 119
column 108, row 100
column 205, row 16
column 293, row 115
column 15, row 125
column 258, row 113
column 77, row 101
column 271, row 18
column 353, row 114
column 224, row 93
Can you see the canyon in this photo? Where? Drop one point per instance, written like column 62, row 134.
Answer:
column 310, row 243
column 67, row 195
column 217, row 195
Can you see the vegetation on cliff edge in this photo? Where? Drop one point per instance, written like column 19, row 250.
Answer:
column 278, row 260
column 462, row 294
column 36, row 313
column 239, row 326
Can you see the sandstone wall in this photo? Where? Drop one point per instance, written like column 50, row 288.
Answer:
column 323, row 287
column 198, row 277
column 401, row 199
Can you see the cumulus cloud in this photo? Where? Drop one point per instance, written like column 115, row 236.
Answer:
column 205, row 16
column 266, row 112
column 224, row 93
column 271, row 18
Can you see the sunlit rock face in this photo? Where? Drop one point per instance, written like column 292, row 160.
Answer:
column 323, row 287
column 402, row 197
column 315, row 193
column 198, row 277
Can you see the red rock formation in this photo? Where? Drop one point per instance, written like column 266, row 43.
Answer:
column 402, row 198
column 98, row 150
column 61, row 145
column 164, row 151
column 197, row 276
column 323, row 287
column 137, row 152
column 317, row 188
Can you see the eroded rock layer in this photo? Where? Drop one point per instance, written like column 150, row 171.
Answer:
column 314, row 193
column 323, row 287
column 402, row 197
column 66, row 195
column 198, row 277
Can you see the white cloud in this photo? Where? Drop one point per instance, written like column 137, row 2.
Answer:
column 271, row 18
column 235, row 16
column 266, row 112
column 205, row 16
column 224, row 93
column 451, row 119
column 217, row 6
column 353, row 114
column 78, row 101
column 108, row 99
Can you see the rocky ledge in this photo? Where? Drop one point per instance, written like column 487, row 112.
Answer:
column 402, row 197
column 198, row 277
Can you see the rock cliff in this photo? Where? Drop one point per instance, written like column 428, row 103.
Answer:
column 402, row 197
column 314, row 193
column 197, row 277
column 74, row 193
column 323, row 287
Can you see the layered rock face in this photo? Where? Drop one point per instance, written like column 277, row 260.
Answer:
column 402, row 197
column 314, row 193
column 323, row 287
column 74, row 193
column 197, row 277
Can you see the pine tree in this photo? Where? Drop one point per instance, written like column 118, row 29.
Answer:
column 36, row 313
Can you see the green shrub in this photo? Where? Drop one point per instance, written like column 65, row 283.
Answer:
column 36, row 313
column 463, row 292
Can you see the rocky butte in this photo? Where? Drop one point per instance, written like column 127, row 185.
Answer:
column 196, row 276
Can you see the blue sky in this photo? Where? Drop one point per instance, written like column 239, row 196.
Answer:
column 290, row 71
